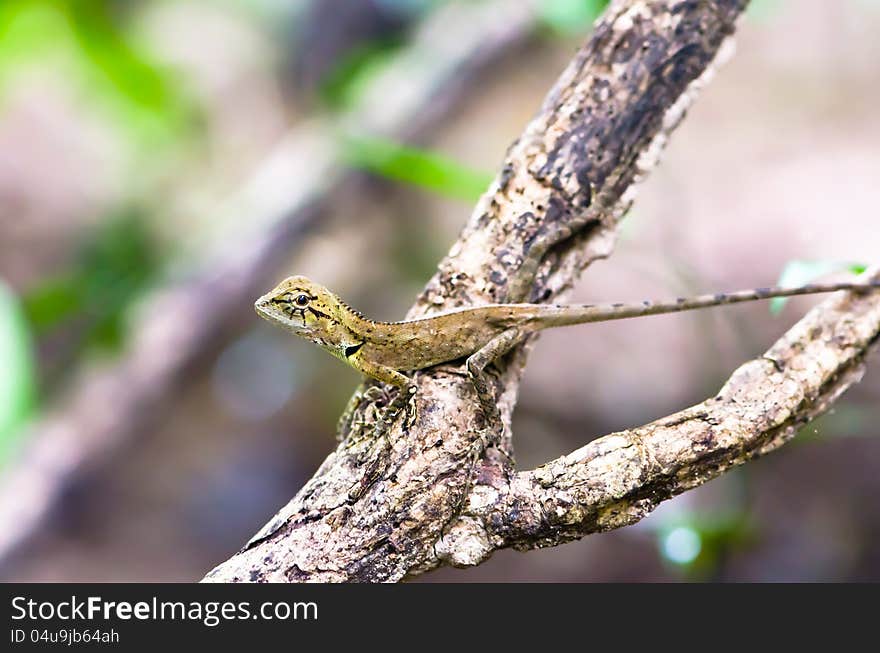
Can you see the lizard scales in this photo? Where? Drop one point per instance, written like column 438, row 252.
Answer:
column 313, row 312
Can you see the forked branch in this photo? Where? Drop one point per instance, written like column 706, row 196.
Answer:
column 430, row 493
column 618, row 479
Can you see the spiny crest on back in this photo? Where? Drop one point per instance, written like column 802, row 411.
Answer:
column 353, row 311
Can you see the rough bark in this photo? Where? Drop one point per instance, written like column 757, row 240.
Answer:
column 380, row 509
column 618, row 479
column 258, row 226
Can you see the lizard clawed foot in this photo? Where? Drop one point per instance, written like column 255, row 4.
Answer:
column 404, row 401
column 349, row 419
column 375, row 405
column 375, row 393
column 492, row 434
column 483, row 384
column 384, row 420
column 412, row 409
column 486, row 439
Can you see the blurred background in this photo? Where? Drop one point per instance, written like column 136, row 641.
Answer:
column 163, row 163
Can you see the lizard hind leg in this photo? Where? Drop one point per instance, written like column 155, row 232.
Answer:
column 476, row 366
column 493, row 431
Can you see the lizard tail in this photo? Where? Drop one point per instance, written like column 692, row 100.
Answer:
column 579, row 314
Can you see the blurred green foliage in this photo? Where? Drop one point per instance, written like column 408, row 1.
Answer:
column 341, row 89
column 415, row 166
column 361, row 52
column 801, row 272
column 90, row 43
column 571, row 16
column 92, row 48
column 88, row 301
column 17, row 375
column 847, row 419
column 342, row 86
column 697, row 543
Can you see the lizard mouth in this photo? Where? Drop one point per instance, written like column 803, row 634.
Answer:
column 268, row 309
column 263, row 309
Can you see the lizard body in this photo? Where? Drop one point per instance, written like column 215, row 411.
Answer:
column 383, row 350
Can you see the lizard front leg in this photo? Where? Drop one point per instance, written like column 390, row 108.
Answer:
column 383, row 423
column 387, row 375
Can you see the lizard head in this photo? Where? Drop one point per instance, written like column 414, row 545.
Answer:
column 304, row 307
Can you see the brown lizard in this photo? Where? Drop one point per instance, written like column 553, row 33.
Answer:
column 384, row 350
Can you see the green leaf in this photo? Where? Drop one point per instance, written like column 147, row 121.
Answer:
column 415, row 166
column 801, row 272
column 17, row 377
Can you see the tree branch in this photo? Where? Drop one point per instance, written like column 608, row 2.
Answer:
column 110, row 404
column 618, row 479
column 380, row 509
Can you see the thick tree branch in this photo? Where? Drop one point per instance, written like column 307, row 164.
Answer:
column 378, row 508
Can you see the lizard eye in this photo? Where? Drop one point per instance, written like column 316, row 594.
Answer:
column 301, row 300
